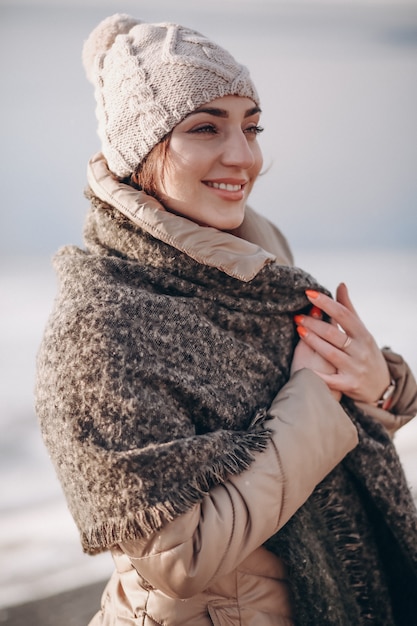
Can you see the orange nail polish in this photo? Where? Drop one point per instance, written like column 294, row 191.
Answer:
column 302, row 331
column 310, row 293
column 316, row 312
column 298, row 319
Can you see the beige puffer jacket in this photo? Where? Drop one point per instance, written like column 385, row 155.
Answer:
column 208, row 566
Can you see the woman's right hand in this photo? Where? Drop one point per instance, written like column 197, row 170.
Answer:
column 304, row 356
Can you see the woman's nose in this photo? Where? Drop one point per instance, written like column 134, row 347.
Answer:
column 237, row 151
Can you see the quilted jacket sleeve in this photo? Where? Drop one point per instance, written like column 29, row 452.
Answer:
column 404, row 402
column 310, row 435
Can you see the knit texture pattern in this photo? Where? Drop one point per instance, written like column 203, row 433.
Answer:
column 149, row 77
column 155, row 376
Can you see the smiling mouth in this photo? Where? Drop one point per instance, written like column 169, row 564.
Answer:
column 225, row 186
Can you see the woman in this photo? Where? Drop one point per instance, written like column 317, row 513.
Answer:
column 238, row 475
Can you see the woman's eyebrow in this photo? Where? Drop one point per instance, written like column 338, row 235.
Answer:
column 216, row 112
column 252, row 111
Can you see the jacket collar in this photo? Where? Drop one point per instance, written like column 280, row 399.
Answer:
column 229, row 253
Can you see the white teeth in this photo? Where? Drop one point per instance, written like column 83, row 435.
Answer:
column 225, row 186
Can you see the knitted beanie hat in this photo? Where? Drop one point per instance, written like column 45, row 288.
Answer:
column 148, row 78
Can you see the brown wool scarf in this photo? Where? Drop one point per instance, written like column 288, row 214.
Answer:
column 155, row 376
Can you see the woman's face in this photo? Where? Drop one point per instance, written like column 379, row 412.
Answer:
column 213, row 160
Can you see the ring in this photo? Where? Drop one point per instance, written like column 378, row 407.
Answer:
column 347, row 342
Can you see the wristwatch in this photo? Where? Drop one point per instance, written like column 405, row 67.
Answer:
column 385, row 400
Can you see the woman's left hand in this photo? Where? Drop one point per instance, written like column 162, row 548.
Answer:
column 361, row 370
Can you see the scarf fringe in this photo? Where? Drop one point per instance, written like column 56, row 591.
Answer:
column 150, row 520
column 348, row 544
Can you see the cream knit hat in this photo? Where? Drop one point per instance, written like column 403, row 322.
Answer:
column 149, row 77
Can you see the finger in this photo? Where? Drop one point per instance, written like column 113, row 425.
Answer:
column 346, row 343
column 329, row 332
column 333, row 381
column 329, row 379
column 316, row 313
column 342, row 296
column 341, row 314
column 331, row 352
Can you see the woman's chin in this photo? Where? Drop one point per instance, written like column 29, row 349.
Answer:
column 226, row 220
column 230, row 222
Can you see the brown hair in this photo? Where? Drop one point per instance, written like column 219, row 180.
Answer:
column 151, row 169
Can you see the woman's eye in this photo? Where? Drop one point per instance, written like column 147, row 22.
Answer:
column 254, row 130
column 210, row 129
column 206, row 128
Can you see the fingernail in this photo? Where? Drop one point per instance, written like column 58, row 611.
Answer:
column 298, row 319
column 302, row 331
column 310, row 293
column 316, row 312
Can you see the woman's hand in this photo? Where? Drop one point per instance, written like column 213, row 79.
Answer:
column 304, row 356
column 359, row 368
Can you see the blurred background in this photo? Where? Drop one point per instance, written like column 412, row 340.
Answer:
column 338, row 84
